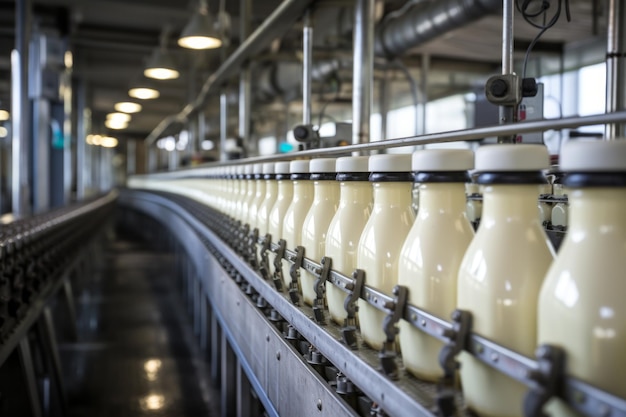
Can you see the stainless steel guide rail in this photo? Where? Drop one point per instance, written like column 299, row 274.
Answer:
column 544, row 375
column 443, row 137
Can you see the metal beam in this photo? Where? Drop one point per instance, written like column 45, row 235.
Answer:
column 616, row 67
column 362, row 70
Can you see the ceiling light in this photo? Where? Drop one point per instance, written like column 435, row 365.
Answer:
column 4, row 115
column 122, row 117
column 3, row 132
column 161, row 65
column 144, row 93
column 116, row 124
column 109, row 142
column 128, row 107
column 96, row 140
column 200, row 32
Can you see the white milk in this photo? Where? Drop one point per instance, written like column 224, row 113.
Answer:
column 315, row 226
column 283, row 200
column 581, row 305
column 297, row 210
column 383, row 235
column 433, row 250
column 346, row 227
column 502, row 271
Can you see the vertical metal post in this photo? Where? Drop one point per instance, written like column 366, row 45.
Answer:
column 81, row 134
column 223, row 124
column 421, row 130
column 228, row 386
column 307, row 64
column 245, row 80
column 507, row 113
column 244, row 393
column 201, row 130
column 172, row 160
column 616, row 67
column 131, row 157
column 216, row 350
column 68, row 133
column 385, row 96
column 20, row 110
column 363, row 70
column 42, row 158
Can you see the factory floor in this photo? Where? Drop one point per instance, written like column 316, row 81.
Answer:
column 135, row 354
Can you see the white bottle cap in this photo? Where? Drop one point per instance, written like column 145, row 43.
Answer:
column 510, row 158
column 257, row 168
column 596, row 156
column 390, row 163
column 353, row 164
column 241, row 169
column 323, row 165
column 282, row 167
column 436, row 160
column 300, row 166
column 249, row 169
column 268, row 168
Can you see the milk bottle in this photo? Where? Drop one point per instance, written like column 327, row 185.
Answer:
column 502, row 271
column 283, row 200
column 383, row 235
column 581, row 304
column 346, row 227
column 297, row 210
column 433, row 250
column 315, row 226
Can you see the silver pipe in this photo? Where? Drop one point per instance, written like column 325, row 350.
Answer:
column 454, row 136
column 507, row 36
column 419, row 23
column 424, row 85
column 507, row 113
column 307, row 65
column 285, row 15
column 245, row 86
column 616, row 67
column 81, row 134
column 131, row 157
column 223, row 124
column 362, row 70
column 201, row 130
column 20, row 110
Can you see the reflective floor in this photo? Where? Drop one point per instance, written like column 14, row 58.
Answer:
column 136, row 355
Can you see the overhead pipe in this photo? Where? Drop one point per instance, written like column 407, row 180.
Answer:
column 423, row 22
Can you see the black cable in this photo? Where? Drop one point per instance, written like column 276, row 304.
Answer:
column 528, row 13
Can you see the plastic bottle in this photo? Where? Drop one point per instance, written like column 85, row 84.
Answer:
column 581, row 304
column 283, row 200
column 346, row 227
column 383, row 235
column 433, row 250
column 298, row 209
column 502, row 271
column 317, row 220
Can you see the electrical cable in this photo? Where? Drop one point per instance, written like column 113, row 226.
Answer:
column 524, row 7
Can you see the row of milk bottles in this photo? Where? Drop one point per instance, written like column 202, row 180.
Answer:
column 357, row 210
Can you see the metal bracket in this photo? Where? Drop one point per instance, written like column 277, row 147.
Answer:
column 251, row 248
column 549, row 376
column 457, row 340
column 319, row 288
column 387, row 354
column 348, row 331
column 294, row 272
column 243, row 233
column 264, row 267
column 278, row 265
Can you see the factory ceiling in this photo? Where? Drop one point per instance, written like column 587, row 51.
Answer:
column 111, row 41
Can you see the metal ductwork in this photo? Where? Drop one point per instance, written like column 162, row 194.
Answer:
column 425, row 21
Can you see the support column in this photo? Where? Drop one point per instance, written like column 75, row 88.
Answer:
column 507, row 113
column 223, row 124
column 20, row 110
column 245, row 90
column 616, row 67
column 363, row 70
column 228, row 388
